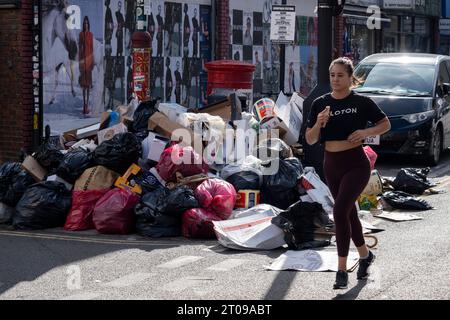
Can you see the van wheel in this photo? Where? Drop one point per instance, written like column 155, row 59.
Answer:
column 435, row 149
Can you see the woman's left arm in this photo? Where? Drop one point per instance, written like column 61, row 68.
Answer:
column 382, row 126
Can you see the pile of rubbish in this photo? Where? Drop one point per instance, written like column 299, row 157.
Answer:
column 161, row 171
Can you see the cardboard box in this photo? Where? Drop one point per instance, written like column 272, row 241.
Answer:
column 96, row 178
column 289, row 112
column 229, row 109
column 74, row 135
column 155, row 145
column 171, row 110
column 88, row 131
column 33, row 167
column 288, row 119
column 162, row 125
column 108, row 133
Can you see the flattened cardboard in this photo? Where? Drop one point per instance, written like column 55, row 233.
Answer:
column 96, row 178
column 109, row 133
column 33, row 167
column 162, row 125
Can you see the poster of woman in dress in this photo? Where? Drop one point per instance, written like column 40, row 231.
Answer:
column 72, row 76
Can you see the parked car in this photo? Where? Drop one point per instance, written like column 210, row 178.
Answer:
column 413, row 90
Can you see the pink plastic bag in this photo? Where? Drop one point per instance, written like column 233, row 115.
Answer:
column 114, row 212
column 217, row 196
column 180, row 159
column 83, row 204
column 371, row 155
column 197, row 223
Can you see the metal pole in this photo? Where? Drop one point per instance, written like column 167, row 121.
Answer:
column 213, row 29
column 325, row 42
column 282, row 59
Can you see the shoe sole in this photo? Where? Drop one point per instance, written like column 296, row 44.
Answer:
column 339, row 288
column 368, row 274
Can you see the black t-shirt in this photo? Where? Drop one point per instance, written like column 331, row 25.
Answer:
column 346, row 115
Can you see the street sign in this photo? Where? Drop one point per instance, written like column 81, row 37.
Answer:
column 282, row 27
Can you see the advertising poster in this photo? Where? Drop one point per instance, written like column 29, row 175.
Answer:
column 308, row 69
column 157, row 11
column 172, row 30
column 72, row 63
column 205, row 50
column 115, row 62
column 292, row 69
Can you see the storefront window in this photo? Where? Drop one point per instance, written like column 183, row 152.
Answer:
column 358, row 42
column 390, row 36
column 406, row 23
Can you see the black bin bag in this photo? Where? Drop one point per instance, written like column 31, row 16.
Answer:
column 280, row 189
column 119, row 153
column 402, row 200
column 143, row 112
column 44, row 205
column 13, row 183
column 299, row 224
column 159, row 212
column 73, row 165
column 412, row 180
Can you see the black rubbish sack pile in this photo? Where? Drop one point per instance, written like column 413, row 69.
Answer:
column 13, row 183
column 402, row 200
column 143, row 112
column 245, row 180
column 48, row 157
column 73, row 165
column 159, row 212
column 43, row 205
column 299, row 224
column 280, row 189
column 119, row 153
column 412, row 180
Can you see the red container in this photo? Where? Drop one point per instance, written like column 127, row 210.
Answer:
column 229, row 74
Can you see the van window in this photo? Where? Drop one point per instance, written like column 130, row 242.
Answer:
column 395, row 79
column 443, row 74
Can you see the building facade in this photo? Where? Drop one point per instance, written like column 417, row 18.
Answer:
column 67, row 61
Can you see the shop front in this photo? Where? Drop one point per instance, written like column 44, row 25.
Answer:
column 444, row 29
column 413, row 26
column 360, row 36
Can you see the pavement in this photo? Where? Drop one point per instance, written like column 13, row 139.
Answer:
column 412, row 263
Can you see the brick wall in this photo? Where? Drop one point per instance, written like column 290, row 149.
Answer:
column 15, row 81
column 338, row 41
column 222, row 29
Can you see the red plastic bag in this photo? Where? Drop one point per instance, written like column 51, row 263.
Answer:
column 217, row 196
column 371, row 155
column 114, row 212
column 197, row 223
column 180, row 159
column 83, row 204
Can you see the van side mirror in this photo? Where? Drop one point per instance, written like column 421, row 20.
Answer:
column 446, row 88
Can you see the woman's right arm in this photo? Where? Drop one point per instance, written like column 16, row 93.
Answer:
column 312, row 134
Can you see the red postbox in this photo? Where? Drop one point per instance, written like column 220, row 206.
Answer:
column 226, row 75
column 141, row 52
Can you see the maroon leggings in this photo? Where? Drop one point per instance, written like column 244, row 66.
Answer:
column 347, row 174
